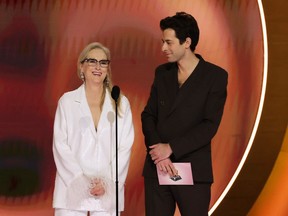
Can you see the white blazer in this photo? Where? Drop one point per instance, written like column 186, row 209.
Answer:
column 81, row 153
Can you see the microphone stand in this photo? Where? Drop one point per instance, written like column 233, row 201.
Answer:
column 116, row 149
column 115, row 95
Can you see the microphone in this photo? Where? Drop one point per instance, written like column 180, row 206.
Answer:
column 115, row 92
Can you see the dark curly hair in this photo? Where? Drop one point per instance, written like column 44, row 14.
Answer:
column 184, row 26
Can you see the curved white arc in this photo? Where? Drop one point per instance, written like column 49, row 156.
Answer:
column 259, row 113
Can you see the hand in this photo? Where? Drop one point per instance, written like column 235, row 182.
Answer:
column 166, row 166
column 160, row 152
column 97, row 188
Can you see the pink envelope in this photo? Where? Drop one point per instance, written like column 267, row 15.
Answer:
column 184, row 176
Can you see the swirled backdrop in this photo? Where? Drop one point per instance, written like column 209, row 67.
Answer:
column 39, row 45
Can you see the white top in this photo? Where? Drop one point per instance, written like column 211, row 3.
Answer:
column 82, row 153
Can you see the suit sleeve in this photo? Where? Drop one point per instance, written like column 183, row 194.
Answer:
column 125, row 141
column 67, row 166
column 149, row 117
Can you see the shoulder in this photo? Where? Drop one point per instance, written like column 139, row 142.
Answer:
column 124, row 101
column 71, row 95
column 166, row 71
column 212, row 69
column 124, row 106
column 163, row 68
column 215, row 69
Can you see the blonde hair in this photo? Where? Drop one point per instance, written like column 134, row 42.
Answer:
column 108, row 80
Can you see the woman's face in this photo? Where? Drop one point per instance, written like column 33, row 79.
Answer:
column 95, row 67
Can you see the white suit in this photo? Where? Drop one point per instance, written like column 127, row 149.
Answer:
column 81, row 153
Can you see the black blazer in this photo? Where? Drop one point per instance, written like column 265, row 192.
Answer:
column 187, row 118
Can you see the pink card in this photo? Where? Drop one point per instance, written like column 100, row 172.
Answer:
column 184, row 176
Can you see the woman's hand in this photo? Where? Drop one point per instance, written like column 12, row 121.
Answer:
column 97, row 187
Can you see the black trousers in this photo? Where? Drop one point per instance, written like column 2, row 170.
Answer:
column 192, row 200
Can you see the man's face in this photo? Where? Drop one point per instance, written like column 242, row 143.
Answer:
column 171, row 46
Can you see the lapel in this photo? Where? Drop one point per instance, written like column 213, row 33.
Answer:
column 86, row 113
column 106, row 112
column 80, row 98
column 188, row 86
column 170, row 89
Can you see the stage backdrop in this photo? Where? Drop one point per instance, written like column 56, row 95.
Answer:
column 39, row 45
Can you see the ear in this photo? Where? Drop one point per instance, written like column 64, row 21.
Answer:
column 188, row 42
column 81, row 67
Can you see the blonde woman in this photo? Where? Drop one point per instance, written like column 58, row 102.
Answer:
column 84, row 141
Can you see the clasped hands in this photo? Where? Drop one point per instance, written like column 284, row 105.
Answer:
column 96, row 187
column 160, row 154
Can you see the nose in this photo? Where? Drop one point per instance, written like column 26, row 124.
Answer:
column 164, row 47
column 97, row 66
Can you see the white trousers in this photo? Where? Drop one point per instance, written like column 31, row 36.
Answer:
column 67, row 212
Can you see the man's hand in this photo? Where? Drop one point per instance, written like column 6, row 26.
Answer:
column 160, row 152
column 167, row 166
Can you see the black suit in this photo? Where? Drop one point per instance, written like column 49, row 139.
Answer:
column 187, row 118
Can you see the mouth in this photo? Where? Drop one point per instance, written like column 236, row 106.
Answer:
column 167, row 54
column 96, row 73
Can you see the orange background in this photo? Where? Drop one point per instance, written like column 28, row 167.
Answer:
column 39, row 45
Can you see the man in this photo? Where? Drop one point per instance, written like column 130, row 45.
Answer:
column 181, row 117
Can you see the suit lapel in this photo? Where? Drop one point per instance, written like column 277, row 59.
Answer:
column 170, row 91
column 84, row 108
column 106, row 111
column 186, row 88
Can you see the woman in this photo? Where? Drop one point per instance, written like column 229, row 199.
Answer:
column 84, row 141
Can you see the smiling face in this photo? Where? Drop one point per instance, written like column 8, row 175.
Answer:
column 95, row 68
column 171, row 46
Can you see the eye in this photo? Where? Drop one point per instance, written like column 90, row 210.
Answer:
column 93, row 61
column 104, row 62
